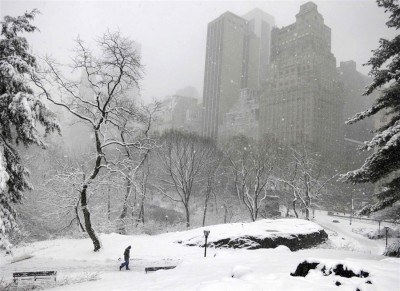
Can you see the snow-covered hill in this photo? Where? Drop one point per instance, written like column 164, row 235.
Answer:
column 222, row 269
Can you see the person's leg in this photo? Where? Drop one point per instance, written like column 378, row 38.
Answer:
column 122, row 265
column 127, row 264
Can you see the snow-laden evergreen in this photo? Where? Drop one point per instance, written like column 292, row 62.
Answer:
column 383, row 164
column 20, row 111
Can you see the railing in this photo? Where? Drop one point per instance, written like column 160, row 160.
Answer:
column 360, row 218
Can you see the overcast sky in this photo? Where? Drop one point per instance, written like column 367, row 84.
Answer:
column 173, row 34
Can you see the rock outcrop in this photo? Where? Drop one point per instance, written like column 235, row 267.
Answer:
column 294, row 241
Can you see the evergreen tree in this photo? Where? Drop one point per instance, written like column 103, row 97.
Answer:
column 20, row 111
column 384, row 163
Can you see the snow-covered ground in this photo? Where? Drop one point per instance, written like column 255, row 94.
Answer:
column 342, row 235
column 222, row 269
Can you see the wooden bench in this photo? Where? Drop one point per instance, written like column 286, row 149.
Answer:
column 152, row 269
column 35, row 275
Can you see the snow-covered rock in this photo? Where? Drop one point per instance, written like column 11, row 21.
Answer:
column 267, row 233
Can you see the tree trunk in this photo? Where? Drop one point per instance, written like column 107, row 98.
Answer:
column 308, row 197
column 78, row 218
column 208, row 193
column 88, row 223
column 307, row 213
column 85, row 210
column 204, row 213
column 187, row 215
column 225, row 213
column 255, row 208
column 109, row 205
column 294, row 208
column 121, row 227
column 287, row 211
column 141, row 213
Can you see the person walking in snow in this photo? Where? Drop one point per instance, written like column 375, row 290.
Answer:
column 126, row 258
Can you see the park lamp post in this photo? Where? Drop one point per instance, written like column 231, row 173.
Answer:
column 352, row 207
column 386, row 230
column 206, row 233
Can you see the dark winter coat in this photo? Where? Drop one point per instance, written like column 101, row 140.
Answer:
column 126, row 253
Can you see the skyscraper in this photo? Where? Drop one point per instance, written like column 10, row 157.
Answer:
column 261, row 23
column 233, row 59
column 302, row 100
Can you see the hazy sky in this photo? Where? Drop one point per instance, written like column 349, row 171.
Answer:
column 173, row 34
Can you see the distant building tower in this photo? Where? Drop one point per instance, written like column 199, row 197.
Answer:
column 242, row 118
column 186, row 113
column 178, row 112
column 261, row 23
column 302, row 100
column 233, row 60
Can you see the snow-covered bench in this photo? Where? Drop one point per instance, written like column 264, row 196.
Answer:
column 152, row 269
column 35, row 275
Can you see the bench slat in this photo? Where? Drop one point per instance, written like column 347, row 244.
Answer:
column 36, row 275
column 151, row 269
column 31, row 274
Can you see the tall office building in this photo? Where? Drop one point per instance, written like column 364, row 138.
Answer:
column 302, row 100
column 233, row 59
column 261, row 23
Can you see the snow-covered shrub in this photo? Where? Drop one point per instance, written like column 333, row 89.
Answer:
column 375, row 234
column 6, row 285
column 240, row 271
column 79, row 278
column 393, row 250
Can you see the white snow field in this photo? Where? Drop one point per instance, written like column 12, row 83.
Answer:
column 222, row 269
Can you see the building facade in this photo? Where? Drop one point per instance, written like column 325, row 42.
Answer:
column 234, row 55
column 178, row 112
column 243, row 117
column 302, row 100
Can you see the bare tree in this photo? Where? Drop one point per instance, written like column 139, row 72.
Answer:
column 135, row 159
column 60, row 193
column 109, row 78
column 184, row 160
column 251, row 167
column 143, row 190
column 211, row 184
column 306, row 179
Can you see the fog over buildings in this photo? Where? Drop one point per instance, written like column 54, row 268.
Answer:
column 288, row 69
column 173, row 33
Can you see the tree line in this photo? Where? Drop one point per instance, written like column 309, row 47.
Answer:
column 111, row 185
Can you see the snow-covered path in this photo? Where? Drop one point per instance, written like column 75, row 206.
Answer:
column 222, row 269
column 64, row 267
column 345, row 236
